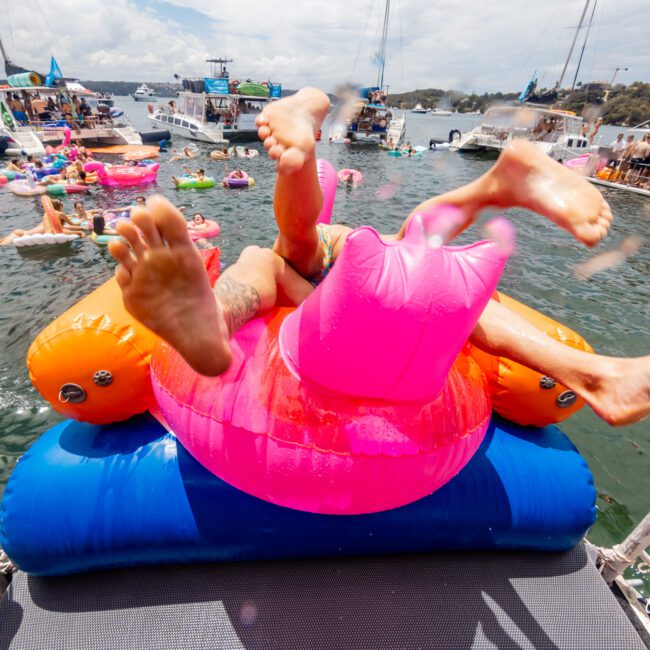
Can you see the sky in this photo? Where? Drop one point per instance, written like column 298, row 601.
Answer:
column 469, row 45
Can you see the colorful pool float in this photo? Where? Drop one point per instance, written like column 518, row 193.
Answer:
column 192, row 182
column 353, row 176
column 231, row 180
column 212, row 229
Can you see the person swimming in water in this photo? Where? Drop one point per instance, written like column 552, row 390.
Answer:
column 198, row 223
column 165, row 286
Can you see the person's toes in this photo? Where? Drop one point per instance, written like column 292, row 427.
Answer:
column 145, row 222
column 131, row 234
column 263, row 132
column 269, row 142
column 292, row 160
column 276, row 151
column 121, row 252
column 261, row 119
column 122, row 276
column 169, row 221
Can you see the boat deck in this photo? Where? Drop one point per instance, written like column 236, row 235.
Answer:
column 481, row 600
column 619, row 186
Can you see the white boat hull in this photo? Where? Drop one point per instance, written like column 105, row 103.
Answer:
column 144, row 98
column 192, row 132
column 619, row 186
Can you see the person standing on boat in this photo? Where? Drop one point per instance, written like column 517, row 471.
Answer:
column 599, row 123
column 18, row 110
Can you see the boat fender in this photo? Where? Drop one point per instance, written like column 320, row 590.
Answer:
column 452, row 135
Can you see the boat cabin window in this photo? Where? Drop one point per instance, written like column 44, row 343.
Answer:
column 570, row 142
column 185, row 124
column 178, row 121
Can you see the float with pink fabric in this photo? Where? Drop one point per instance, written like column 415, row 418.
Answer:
column 238, row 179
column 349, row 176
column 212, row 229
column 358, row 423
column 123, row 175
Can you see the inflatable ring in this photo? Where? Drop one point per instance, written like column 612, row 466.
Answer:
column 345, row 175
column 191, row 182
column 213, row 229
column 238, row 181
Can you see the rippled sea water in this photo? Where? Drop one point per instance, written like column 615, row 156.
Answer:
column 611, row 309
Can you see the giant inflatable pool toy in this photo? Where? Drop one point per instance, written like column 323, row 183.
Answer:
column 212, row 229
column 3, row 179
column 238, row 181
column 187, row 182
column 12, row 175
column 123, row 175
column 368, row 431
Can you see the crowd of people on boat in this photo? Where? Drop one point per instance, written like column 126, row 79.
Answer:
column 28, row 108
column 629, row 161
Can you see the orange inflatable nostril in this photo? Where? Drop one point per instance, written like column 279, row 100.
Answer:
column 524, row 395
column 92, row 363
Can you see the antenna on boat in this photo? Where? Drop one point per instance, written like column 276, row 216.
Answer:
column 223, row 72
column 382, row 53
column 573, row 44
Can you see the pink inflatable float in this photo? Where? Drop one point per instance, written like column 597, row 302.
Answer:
column 353, row 176
column 362, row 399
column 213, row 229
column 123, row 175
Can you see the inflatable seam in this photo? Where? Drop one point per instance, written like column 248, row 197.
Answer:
column 267, row 435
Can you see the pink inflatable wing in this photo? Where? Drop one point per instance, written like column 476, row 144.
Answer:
column 328, row 182
column 397, row 334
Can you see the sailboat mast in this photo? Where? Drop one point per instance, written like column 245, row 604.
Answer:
column 382, row 54
column 591, row 20
column 573, row 44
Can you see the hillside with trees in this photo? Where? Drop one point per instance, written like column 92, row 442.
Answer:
column 620, row 105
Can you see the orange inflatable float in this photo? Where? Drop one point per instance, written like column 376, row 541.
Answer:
column 524, row 395
column 92, row 363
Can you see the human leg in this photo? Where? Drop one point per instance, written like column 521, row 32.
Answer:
column 617, row 389
column 525, row 177
column 165, row 286
column 288, row 128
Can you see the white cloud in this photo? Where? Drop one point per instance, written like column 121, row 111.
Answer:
column 467, row 44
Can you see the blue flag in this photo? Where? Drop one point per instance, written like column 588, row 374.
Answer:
column 55, row 73
column 529, row 89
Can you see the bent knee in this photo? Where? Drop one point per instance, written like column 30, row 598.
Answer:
column 258, row 255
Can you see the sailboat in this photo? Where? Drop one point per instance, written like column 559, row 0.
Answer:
column 558, row 133
column 372, row 122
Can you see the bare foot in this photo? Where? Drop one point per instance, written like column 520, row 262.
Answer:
column 618, row 390
column 165, row 286
column 528, row 178
column 288, row 127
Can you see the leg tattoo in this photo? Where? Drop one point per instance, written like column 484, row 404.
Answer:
column 240, row 302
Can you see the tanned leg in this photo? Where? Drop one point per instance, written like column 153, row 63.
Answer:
column 288, row 128
column 165, row 286
column 618, row 390
column 525, row 177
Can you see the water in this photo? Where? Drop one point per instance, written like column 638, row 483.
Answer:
column 612, row 309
